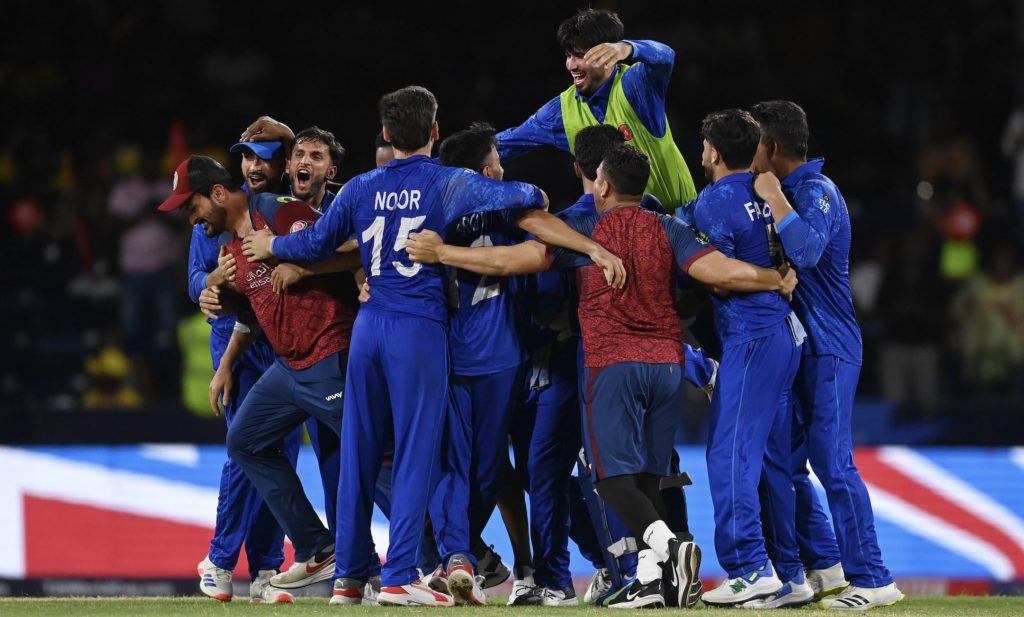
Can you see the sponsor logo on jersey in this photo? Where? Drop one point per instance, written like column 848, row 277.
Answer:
column 298, row 226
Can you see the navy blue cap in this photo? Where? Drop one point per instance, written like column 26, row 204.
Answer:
column 264, row 149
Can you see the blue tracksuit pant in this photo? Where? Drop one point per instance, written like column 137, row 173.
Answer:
column 397, row 383
column 751, row 433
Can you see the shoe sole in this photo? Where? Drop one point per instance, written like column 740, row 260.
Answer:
column 461, row 585
column 860, row 608
column 688, row 569
column 650, row 602
column 220, row 597
column 326, row 572
column 387, row 600
column 345, row 601
column 759, row 596
column 285, row 599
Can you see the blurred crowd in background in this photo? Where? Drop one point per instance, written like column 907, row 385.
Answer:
column 917, row 108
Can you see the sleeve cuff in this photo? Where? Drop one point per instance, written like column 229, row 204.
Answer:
column 272, row 240
column 786, row 220
column 689, row 262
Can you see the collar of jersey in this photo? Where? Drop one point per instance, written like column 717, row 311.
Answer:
column 416, row 158
column 812, row 166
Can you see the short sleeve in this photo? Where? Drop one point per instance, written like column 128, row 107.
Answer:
column 687, row 244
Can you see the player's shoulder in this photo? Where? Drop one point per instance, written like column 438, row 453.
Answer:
column 818, row 191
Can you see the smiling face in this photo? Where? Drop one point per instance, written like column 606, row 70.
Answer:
column 310, row 167
column 202, row 210
column 261, row 175
column 586, row 77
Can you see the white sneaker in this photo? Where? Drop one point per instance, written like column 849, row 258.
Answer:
column 791, row 595
column 862, row 598
column 558, row 597
column 522, row 591
column 348, row 592
column 826, row 581
column 413, row 594
column 262, row 592
column 319, row 567
column 599, row 585
column 751, row 586
column 371, row 591
column 213, row 581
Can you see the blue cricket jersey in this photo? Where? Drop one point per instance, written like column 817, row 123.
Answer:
column 382, row 207
column 645, row 85
column 484, row 335
column 732, row 218
column 816, row 238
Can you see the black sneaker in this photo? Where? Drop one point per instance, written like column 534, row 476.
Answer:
column 494, row 571
column 638, row 595
column 683, row 573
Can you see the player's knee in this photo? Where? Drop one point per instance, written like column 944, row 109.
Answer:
column 236, row 443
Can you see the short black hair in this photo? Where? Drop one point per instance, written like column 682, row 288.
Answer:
column 408, row 115
column 469, row 147
column 627, row 169
column 380, row 142
column 229, row 184
column 783, row 123
column 315, row 133
column 734, row 133
column 587, row 28
column 591, row 144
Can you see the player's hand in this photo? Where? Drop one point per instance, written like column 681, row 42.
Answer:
column 607, row 55
column 220, row 388
column 286, row 275
column 789, row 281
column 364, row 292
column 209, row 302
column 766, row 185
column 614, row 271
column 226, row 266
column 256, row 245
column 425, row 247
column 266, row 128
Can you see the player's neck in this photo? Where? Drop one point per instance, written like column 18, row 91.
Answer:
column 787, row 166
column 425, row 151
column 238, row 220
column 723, row 171
column 317, row 199
column 588, row 186
column 619, row 201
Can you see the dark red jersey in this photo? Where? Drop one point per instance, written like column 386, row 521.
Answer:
column 314, row 319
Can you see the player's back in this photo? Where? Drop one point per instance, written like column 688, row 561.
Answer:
column 637, row 323
column 823, row 300
column 484, row 334
column 730, row 215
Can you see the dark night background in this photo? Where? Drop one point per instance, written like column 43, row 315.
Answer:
column 910, row 103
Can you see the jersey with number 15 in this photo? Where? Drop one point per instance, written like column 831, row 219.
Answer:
column 382, row 207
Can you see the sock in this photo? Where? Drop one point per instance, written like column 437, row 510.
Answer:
column 657, row 536
column 648, row 566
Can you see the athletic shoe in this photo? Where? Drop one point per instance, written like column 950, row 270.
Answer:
column 760, row 583
column 413, row 594
column 462, row 583
column 863, row 598
column 494, row 571
column 792, row 595
column 523, row 591
column 709, row 387
column 599, row 585
column 371, row 591
column 638, row 595
column 348, row 592
column 213, row 581
column 436, row 580
column 262, row 592
column 682, row 574
column 558, row 597
column 319, row 567
column 826, row 581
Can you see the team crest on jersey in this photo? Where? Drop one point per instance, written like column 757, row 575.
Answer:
column 298, row 226
column 702, row 237
column 626, row 133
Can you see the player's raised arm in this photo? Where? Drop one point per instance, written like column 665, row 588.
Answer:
column 315, row 243
column 803, row 237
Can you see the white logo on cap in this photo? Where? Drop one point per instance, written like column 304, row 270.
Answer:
column 174, row 186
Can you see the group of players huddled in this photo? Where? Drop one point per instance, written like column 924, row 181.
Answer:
column 430, row 314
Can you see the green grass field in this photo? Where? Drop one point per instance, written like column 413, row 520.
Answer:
column 73, row 607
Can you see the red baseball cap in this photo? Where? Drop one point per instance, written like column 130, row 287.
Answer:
column 196, row 173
